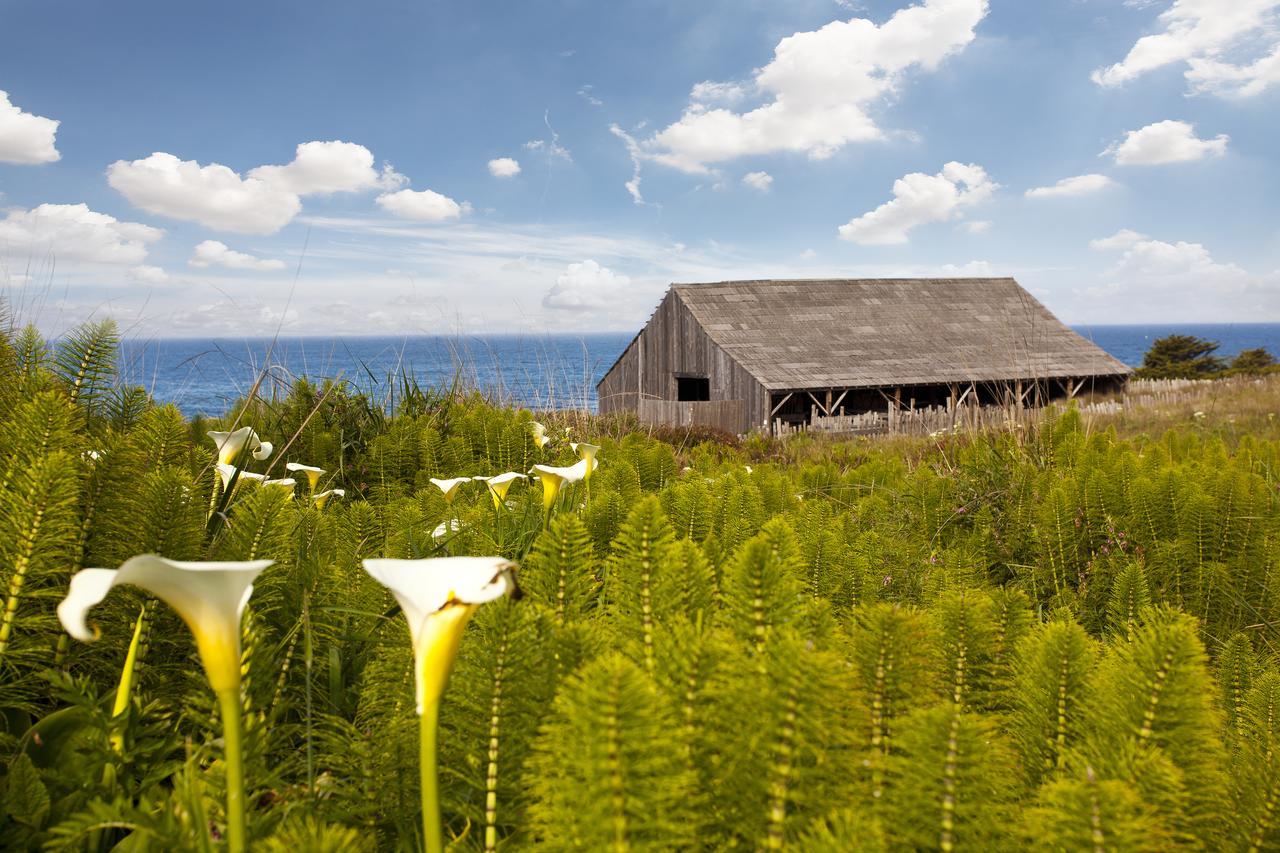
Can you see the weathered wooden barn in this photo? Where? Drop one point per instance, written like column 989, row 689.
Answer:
column 745, row 355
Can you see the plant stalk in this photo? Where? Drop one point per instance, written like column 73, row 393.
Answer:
column 432, row 834
column 128, row 675
column 232, row 738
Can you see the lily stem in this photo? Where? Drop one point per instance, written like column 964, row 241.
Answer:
column 232, row 737
column 432, row 836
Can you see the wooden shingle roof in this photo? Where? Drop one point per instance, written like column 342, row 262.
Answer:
column 835, row 333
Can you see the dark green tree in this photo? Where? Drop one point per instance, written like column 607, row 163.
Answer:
column 1256, row 360
column 1180, row 357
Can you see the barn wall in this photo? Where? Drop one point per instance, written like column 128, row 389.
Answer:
column 673, row 343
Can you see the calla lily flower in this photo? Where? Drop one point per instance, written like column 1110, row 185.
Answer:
column 444, row 528
column 226, row 471
column 500, row 484
column 438, row 597
column 230, row 445
column 313, row 473
column 587, row 452
column 323, row 498
column 540, row 436
column 283, row 483
column 552, row 479
column 450, row 487
column 210, row 598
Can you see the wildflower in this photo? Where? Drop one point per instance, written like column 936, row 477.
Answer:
column 210, row 598
column 499, row 485
column 747, row 468
column 1198, row 416
column 313, row 473
column 444, row 528
column 587, row 453
column 231, row 444
column 449, row 487
column 323, row 497
column 540, row 436
column 438, row 597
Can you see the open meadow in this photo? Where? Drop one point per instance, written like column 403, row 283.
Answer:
column 1058, row 637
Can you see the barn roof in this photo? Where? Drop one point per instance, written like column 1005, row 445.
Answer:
column 834, row 333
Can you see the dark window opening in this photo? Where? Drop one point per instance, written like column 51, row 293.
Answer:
column 693, row 388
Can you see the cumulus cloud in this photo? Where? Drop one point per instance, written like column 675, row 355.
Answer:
column 504, row 167
column 919, row 199
column 1181, row 278
column 1165, row 142
column 1228, row 48
column 586, row 286
column 1070, row 187
column 212, row 195
column 148, row 274
column 424, row 205
column 74, row 232
column 818, row 87
column 1122, row 239
column 25, row 138
column 761, row 181
column 324, row 168
column 265, row 200
column 212, row 253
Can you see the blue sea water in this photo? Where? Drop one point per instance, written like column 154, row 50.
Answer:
column 540, row 372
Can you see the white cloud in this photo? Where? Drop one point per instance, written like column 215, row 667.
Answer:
column 324, row 168
column 1071, row 187
column 819, row 87
column 504, row 167
column 633, row 151
column 212, row 195
column 25, row 138
column 74, row 232
column 424, row 206
column 213, row 253
column 761, row 181
column 1165, row 142
column 585, row 92
column 1122, row 239
column 977, row 226
column 1229, row 48
column 586, row 286
column 919, row 199
column 148, row 274
column 1166, row 281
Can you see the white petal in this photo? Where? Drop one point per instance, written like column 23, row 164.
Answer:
column 424, row 586
column 230, row 444
column 88, row 587
column 296, row 466
column 262, row 451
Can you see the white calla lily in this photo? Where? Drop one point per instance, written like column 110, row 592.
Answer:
column 540, row 436
column 449, row 487
column 231, row 444
column 210, row 598
column 444, row 528
column 323, row 497
column 283, row 483
column 438, row 597
column 587, row 453
column 500, row 484
column 313, row 473
column 552, row 478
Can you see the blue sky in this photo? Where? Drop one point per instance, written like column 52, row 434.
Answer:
column 329, row 167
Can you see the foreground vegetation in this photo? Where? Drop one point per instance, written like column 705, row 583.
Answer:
column 1063, row 638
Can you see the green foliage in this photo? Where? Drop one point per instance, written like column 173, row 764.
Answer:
column 1060, row 639
column 1180, row 357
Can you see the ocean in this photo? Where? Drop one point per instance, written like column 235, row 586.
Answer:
column 539, row 372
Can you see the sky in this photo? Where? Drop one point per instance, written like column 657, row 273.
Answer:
column 253, row 168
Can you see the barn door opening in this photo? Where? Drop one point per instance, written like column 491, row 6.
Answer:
column 693, row 389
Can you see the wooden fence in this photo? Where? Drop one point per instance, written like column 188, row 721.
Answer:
column 722, row 414
column 937, row 420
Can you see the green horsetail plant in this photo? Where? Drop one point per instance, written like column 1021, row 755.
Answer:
column 559, row 572
column 1087, row 813
column 1237, row 667
column 763, row 588
column 85, row 361
column 210, row 598
column 1050, row 695
column 438, row 598
column 635, row 578
column 1255, row 766
column 1154, row 723
column 608, row 772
